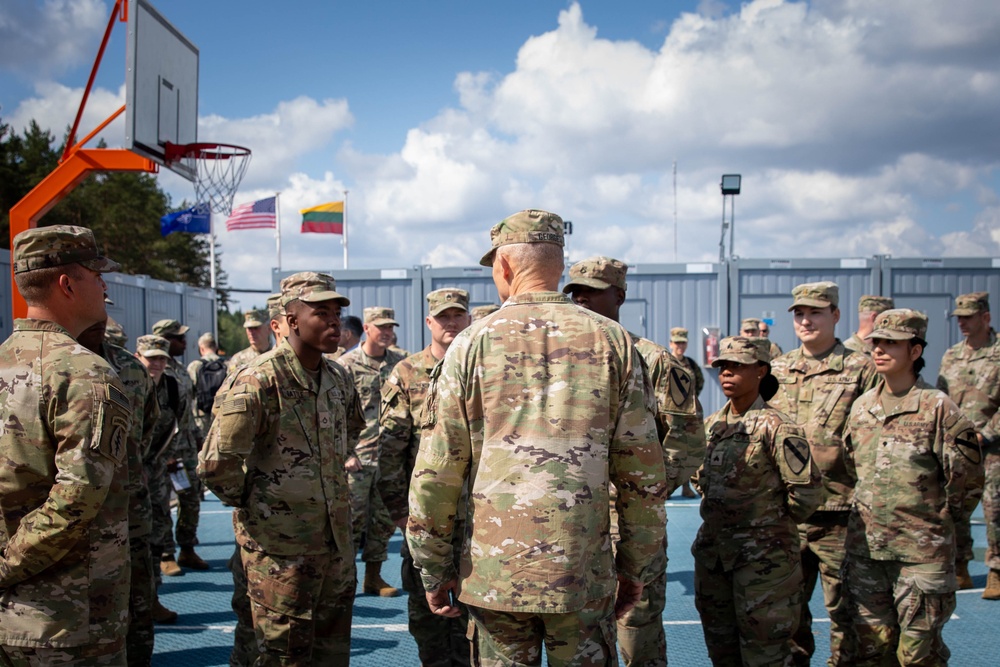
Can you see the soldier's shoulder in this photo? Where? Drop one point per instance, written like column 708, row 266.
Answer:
column 350, row 359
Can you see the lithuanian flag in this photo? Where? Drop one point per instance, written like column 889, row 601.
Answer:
column 324, row 219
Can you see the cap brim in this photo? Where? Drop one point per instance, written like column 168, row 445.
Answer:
column 743, row 359
column 678, row 340
column 964, row 312
column 102, row 264
column 487, row 259
column 812, row 303
column 592, row 283
column 154, row 353
column 889, row 334
column 252, row 324
column 382, row 322
column 441, row 309
column 327, row 295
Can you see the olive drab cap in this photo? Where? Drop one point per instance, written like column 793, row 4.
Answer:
column 816, row 295
column 482, row 311
column 597, row 273
column 531, row 226
column 311, row 287
column 678, row 335
column 379, row 316
column 170, row 328
column 114, row 333
column 58, row 245
column 750, row 323
column 442, row 299
column 869, row 303
column 274, row 307
column 972, row 303
column 743, row 350
column 899, row 324
column 153, row 346
column 255, row 318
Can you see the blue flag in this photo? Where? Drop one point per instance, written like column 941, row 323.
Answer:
column 194, row 220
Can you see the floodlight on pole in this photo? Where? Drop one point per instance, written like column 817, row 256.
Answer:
column 730, row 187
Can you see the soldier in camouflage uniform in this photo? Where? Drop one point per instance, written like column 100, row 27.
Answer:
column 114, row 333
column 479, row 312
column 64, row 504
column 598, row 284
column 758, row 481
column 209, row 351
column 900, row 568
column 750, row 327
column 145, row 411
column 818, row 382
column 678, row 348
column 869, row 307
column 276, row 451
column 160, row 458
column 257, row 325
column 369, row 365
column 185, row 450
column 539, row 407
column 970, row 375
column 764, row 330
column 441, row 641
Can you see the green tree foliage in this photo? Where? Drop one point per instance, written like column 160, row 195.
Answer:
column 232, row 337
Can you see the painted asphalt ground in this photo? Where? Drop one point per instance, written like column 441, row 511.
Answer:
column 203, row 636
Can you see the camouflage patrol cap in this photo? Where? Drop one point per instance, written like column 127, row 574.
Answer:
column 816, row 295
column 115, row 334
column 170, row 328
column 153, row 346
column 441, row 300
column 531, row 226
column 899, row 324
column 274, row 307
column 678, row 335
column 255, row 318
column 869, row 303
column 750, row 323
column 378, row 316
column 58, row 245
column 311, row 287
column 972, row 303
column 480, row 312
column 743, row 350
column 597, row 273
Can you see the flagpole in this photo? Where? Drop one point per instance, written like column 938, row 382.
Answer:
column 277, row 226
column 343, row 239
column 211, row 250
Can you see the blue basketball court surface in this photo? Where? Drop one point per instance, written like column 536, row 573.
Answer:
column 203, row 635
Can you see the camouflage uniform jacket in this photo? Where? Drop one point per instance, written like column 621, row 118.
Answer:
column 695, row 370
column 537, row 406
column 817, row 394
column 368, row 375
column 858, row 344
column 972, row 379
column 680, row 429
column 758, row 481
column 919, row 470
column 189, row 437
column 173, row 405
column 276, row 452
column 202, row 420
column 145, row 412
column 401, row 418
column 64, row 560
column 775, row 350
column 244, row 357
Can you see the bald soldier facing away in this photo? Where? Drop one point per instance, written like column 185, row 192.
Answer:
column 540, row 407
column 64, row 559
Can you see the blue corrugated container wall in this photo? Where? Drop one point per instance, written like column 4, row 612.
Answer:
column 6, row 317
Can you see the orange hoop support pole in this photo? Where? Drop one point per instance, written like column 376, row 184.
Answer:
column 74, row 168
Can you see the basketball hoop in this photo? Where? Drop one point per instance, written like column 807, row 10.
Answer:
column 220, row 169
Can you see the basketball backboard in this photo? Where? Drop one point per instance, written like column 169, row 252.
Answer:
column 161, row 81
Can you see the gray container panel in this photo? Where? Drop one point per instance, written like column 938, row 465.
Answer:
column 6, row 319
column 199, row 314
column 129, row 295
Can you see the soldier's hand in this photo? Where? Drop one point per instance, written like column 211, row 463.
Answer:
column 440, row 601
column 629, row 593
column 352, row 464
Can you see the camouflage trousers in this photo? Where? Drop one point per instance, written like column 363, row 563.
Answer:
column 302, row 607
column 641, row 638
column 991, row 506
column 188, row 502
column 899, row 610
column 822, row 542
column 750, row 613
column 142, row 593
column 161, row 538
column 244, row 640
column 584, row 638
column 159, row 500
column 370, row 520
column 92, row 655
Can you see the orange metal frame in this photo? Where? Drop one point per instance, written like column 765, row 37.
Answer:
column 76, row 164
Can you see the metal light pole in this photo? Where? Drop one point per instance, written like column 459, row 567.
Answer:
column 730, row 187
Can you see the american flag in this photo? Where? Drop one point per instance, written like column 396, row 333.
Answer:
column 253, row 215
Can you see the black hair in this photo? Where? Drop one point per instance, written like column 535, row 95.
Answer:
column 353, row 323
column 919, row 363
column 768, row 384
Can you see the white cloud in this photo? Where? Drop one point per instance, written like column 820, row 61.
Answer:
column 42, row 39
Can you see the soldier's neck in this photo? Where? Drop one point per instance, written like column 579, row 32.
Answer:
column 740, row 404
column 373, row 349
column 41, row 312
column 976, row 342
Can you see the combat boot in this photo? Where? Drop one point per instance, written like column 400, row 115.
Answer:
column 992, row 591
column 161, row 615
column 170, row 568
column 189, row 559
column 375, row 585
column 962, row 574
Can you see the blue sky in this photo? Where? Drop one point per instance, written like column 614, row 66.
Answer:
column 860, row 128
